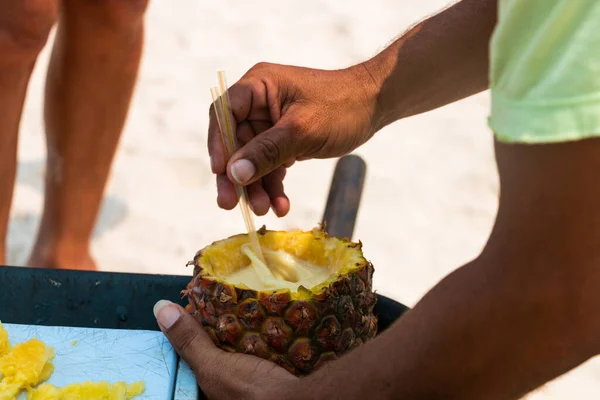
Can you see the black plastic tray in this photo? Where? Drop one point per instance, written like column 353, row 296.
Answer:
column 104, row 299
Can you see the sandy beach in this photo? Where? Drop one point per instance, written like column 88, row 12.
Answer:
column 431, row 192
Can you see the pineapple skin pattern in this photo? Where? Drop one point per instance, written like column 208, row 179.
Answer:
column 299, row 331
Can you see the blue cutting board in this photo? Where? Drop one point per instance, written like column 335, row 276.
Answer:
column 113, row 355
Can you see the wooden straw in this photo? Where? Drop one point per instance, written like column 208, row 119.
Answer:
column 222, row 103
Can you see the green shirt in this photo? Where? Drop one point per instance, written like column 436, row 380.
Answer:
column 545, row 71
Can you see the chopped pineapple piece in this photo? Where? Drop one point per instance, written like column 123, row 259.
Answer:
column 28, row 364
column 4, row 343
column 135, row 389
column 43, row 392
column 88, row 391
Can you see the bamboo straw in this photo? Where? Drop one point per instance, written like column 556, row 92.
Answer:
column 222, row 106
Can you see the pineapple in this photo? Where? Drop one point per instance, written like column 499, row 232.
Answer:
column 307, row 303
column 24, row 366
column 27, row 364
column 4, row 343
column 88, row 390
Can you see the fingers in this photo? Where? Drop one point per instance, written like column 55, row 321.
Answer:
column 221, row 375
column 259, row 199
column 264, row 148
column 263, row 193
column 186, row 336
column 273, row 184
column 216, row 150
column 245, row 133
column 227, row 197
column 262, row 155
column 241, row 95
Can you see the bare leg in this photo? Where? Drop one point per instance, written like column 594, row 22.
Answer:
column 90, row 81
column 24, row 30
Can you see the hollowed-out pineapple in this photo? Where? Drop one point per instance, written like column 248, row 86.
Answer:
column 317, row 304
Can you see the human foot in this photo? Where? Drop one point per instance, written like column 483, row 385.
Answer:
column 63, row 259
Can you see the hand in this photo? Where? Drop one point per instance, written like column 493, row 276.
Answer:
column 220, row 375
column 286, row 114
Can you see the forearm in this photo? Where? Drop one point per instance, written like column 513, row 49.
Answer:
column 481, row 333
column 441, row 60
column 525, row 311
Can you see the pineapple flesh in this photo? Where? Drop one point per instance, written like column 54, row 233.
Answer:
column 27, row 364
column 309, row 302
column 88, row 391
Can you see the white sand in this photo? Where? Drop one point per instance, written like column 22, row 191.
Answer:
column 422, row 215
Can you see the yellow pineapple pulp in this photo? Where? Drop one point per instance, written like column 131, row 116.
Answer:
column 296, row 261
column 25, row 365
column 279, row 270
column 28, row 364
column 4, row 343
column 88, row 391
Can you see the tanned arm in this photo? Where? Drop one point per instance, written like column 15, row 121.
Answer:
column 527, row 309
column 442, row 59
column 524, row 312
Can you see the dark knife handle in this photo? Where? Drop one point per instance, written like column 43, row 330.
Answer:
column 344, row 198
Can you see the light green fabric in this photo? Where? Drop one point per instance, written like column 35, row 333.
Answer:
column 545, row 71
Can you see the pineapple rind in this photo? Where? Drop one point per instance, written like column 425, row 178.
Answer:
column 299, row 330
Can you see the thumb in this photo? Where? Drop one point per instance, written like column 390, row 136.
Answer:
column 263, row 154
column 187, row 336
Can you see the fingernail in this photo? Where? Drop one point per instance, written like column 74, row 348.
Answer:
column 166, row 316
column 213, row 165
column 242, row 171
